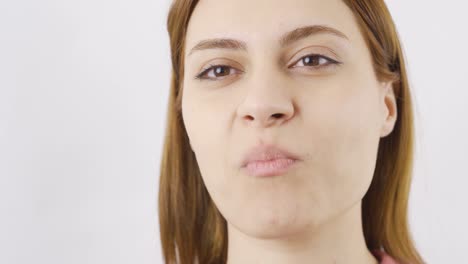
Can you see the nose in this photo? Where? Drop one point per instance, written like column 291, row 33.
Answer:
column 267, row 103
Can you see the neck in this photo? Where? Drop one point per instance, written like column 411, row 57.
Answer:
column 341, row 240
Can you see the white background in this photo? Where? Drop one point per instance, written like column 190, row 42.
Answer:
column 83, row 94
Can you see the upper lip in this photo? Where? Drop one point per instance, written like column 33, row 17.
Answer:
column 267, row 152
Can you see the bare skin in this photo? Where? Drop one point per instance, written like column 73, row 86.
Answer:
column 269, row 91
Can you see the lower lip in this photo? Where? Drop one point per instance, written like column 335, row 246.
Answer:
column 269, row 168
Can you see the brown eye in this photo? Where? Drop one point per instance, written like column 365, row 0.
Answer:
column 216, row 71
column 316, row 61
column 220, row 71
column 313, row 60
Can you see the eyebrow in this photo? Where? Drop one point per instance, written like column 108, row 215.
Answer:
column 285, row 40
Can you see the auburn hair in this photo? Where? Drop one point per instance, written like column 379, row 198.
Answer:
column 192, row 230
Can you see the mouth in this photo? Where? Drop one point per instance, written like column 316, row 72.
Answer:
column 269, row 168
column 269, row 160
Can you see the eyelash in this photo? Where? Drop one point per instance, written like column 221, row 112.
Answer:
column 330, row 62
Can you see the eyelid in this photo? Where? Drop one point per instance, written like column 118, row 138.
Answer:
column 331, row 62
column 218, row 62
column 311, row 50
column 211, row 67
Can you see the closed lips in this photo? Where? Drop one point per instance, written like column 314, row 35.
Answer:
column 266, row 153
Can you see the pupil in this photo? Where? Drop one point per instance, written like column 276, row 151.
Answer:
column 312, row 60
column 220, row 70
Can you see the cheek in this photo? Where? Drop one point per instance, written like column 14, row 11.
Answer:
column 336, row 126
column 203, row 117
column 206, row 124
column 344, row 132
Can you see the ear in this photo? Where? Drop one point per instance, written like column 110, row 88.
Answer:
column 389, row 109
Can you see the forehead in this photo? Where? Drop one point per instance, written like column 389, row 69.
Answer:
column 254, row 21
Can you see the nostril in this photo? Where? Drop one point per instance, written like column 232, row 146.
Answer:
column 277, row 115
column 249, row 117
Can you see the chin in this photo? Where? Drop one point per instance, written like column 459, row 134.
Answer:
column 274, row 226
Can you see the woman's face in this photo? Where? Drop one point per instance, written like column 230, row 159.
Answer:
column 313, row 93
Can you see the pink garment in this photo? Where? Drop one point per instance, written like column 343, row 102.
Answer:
column 383, row 257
